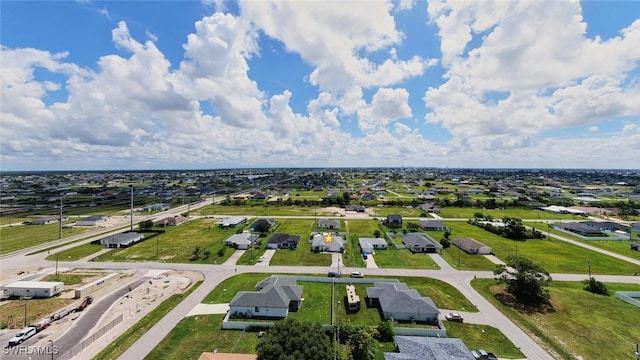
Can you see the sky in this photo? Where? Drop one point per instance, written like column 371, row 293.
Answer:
column 144, row 85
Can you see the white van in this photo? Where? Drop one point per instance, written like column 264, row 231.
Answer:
column 23, row 335
column 356, row 274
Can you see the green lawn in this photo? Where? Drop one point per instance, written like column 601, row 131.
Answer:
column 460, row 260
column 403, row 259
column 25, row 236
column 302, row 255
column 256, row 210
column 582, row 325
column 476, row 336
column 5, row 220
column 464, row 213
column 621, row 247
column 177, row 244
column 555, row 256
column 75, row 253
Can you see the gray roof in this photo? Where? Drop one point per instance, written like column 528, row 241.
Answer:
column 432, row 224
column 122, row 238
column 399, row 298
column 274, row 292
column 327, row 223
column 469, row 243
column 419, row 240
column 335, row 244
column 281, row 238
column 368, row 244
column 242, row 238
column 430, row 348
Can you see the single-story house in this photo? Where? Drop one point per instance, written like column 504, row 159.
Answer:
column 156, row 207
column 635, row 246
column 283, row 241
column 430, row 208
column 606, row 225
column 45, row 220
column 578, row 228
column 429, row 348
column 398, row 302
column 327, row 242
column 171, row 221
column 121, row 240
column 276, row 296
column 232, row 222
column 368, row 245
column 242, row 241
column 563, row 210
column 432, row 225
column 357, row 208
column 258, row 196
column 269, row 221
column 92, row 220
column 328, row 224
column 421, row 243
column 471, row 246
column 393, row 221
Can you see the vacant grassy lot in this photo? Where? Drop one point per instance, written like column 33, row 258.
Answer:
column 176, row 245
column 302, row 255
column 621, row 247
column 403, row 259
column 485, row 337
column 555, row 256
column 4, row 220
column 256, row 210
column 464, row 213
column 12, row 312
column 25, row 236
column 129, row 337
column 383, row 211
column 460, row 260
column 75, row 253
column 362, row 228
column 582, row 325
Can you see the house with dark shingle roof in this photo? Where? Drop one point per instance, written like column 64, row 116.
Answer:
column 432, row 225
column 121, row 240
column 429, row 348
column 171, row 221
column 329, row 224
column 421, row 243
column 276, row 296
column 397, row 301
column 283, row 241
column 393, row 221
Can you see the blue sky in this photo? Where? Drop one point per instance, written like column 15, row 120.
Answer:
column 110, row 85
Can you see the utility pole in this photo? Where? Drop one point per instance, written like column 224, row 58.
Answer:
column 60, row 220
column 25, row 315
column 131, row 187
column 589, row 266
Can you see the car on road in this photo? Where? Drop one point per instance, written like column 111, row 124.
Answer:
column 356, row 274
column 23, row 335
column 481, row 354
column 453, row 316
column 261, row 259
column 333, row 274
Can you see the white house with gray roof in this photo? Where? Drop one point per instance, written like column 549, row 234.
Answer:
column 329, row 224
column 327, row 242
column 276, row 296
column 397, row 301
column 368, row 245
column 242, row 241
column 232, row 222
column 429, row 348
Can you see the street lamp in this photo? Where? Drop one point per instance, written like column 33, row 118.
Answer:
column 131, row 187
column 51, row 343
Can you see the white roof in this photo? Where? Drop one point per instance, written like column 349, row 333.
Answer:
column 34, row 284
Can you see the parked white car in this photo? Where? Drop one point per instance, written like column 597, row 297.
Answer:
column 23, row 335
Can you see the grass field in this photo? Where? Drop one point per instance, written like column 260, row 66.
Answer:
column 24, row 236
column 383, row 211
column 582, row 325
column 129, row 337
column 257, row 210
column 555, row 256
column 75, row 253
column 485, row 337
column 621, row 247
column 177, row 244
column 460, row 260
column 302, row 255
column 403, row 259
column 463, row 213
column 12, row 313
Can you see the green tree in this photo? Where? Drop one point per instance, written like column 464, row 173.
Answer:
column 377, row 233
column 525, row 280
column 594, row 286
column 262, row 227
column 146, row 225
column 362, row 344
column 385, row 331
column 290, row 339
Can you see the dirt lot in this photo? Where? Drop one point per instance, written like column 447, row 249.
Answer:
column 133, row 306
